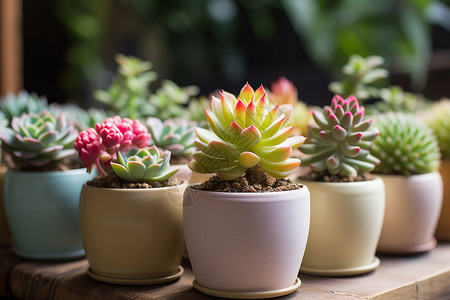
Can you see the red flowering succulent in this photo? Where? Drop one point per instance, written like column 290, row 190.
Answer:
column 100, row 146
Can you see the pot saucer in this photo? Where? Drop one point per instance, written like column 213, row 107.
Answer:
column 51, row 256
column 248, row 295
column 409, row 250
column 136, row 281
column 342, row 272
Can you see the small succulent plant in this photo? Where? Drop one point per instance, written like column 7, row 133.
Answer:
column 175, row 135
column 359, row 76
column 145, row 165
column 101, row 145
column 15, row 105
column 405, row 146
column 128, row 94
column 340, row 139
column 394, row 99
column 245, row 132
column 284, row 92
column 438, row 119
column 38, row 140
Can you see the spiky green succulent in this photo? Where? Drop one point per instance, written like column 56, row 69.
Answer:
column 405, row 145
column 15, row 105
column 38, row 140
column 438, row 119
column 246, row 132
column 144, row 165
column 359, row 77
column 340, row 139
column 175, row 135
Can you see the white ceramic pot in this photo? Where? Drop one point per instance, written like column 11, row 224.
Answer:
column 246, row 244
column 443, row 227
column 133, row 236
column 346, row 220
column 413, row 205
column 186, row 174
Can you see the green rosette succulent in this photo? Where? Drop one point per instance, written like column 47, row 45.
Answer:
column 38, row 140
column 395, row 99
column 144, row 165
column 359, row 77
column 438, row 119
column 405, row 145
column 15, row 105
column 340, row 139
column 245, row 132
column 175, row 135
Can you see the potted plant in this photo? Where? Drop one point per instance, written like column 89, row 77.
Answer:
column 42, row 186
column 409, row 155
column 131, row 216
column 347, row 203
column 246, row 228
column 438, row 119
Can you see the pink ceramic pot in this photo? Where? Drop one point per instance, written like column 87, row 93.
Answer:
column 246, row 242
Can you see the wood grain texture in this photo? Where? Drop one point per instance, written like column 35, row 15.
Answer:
column 425, row 276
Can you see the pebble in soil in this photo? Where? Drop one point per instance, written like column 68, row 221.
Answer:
column 115, row 182
column 326, row 176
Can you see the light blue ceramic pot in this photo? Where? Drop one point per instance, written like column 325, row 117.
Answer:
column 42, row 212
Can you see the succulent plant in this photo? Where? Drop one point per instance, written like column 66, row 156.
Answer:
column 100, row 146
column 284, row 92
column 128, row 94
column 39, row 139
column 340, row 139
column 175, row 135
column 393, row 98
column 246, row 132
column 359, row 76
column 405, row 145
column 438, row 119
column 15, row 105
column 144, row 165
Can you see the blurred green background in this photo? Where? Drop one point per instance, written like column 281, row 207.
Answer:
column 69, row 45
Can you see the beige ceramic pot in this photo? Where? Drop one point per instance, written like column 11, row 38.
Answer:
column 443, row 227
column 346, row 220
column 245, row 245
column 187, row 175
column 5, row 234
column 413, row 205
column 133, row 236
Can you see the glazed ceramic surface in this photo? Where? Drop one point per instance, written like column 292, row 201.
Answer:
column 132, row 236
column 346, row 220
column 443, row 227
column 246, row 242
column 42, row 212
column 187, row 175
column 413, row 205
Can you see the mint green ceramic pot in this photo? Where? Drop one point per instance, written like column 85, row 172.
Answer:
column 42, row 212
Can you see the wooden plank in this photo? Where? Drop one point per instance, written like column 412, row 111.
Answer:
column 418, row 277
column 10, row 46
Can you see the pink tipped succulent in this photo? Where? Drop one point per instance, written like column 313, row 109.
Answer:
column 246, row 131
column 284, row 91
column 340, row 139
column 109, row 137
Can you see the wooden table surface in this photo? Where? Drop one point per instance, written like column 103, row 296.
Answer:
column 425, row 276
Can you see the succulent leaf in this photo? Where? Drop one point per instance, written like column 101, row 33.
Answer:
column 438, row 119
column 336, row 139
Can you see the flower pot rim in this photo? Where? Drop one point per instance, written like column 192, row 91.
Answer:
column 136, row 190
column 406, row 177
column 258, row 194
column 52, row 173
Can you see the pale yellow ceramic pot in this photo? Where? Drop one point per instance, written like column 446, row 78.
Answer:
column 5, row 234
column 413, row 205
column 346, row 220
column 133, row 236
column 443, row 227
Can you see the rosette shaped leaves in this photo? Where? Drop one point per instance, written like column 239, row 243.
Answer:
column 175, row 135
column 144, row 165
column 15, row 105
column 38, row 140
column 438, row 119
column 340, row 139
column 405, row 146
column 245, row 132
